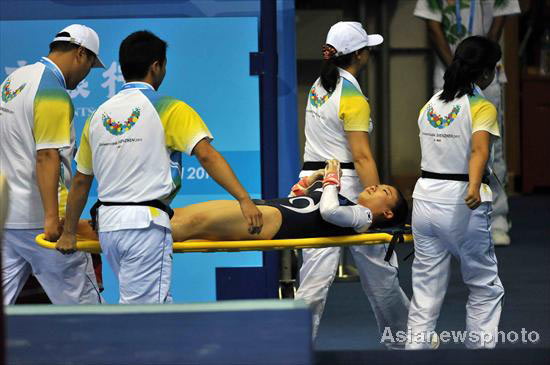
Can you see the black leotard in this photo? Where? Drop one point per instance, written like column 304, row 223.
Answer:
column 302, row 218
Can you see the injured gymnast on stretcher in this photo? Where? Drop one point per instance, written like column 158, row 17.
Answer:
column 314, row 209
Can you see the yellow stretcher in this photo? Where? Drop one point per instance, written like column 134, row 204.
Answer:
column 376, row 238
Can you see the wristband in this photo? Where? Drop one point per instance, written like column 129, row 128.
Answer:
column 332, row 178
column 300, row 188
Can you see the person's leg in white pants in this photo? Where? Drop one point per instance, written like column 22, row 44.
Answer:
column 15, row 269
column 380, row 283
column 478, row 265
column 66, row 279
column 500, row 223
column 141, row 259
column 316, row 276
column 430, row 274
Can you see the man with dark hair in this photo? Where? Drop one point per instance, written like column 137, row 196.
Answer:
column 138, row 51
column 133, row 145
column 36, row 150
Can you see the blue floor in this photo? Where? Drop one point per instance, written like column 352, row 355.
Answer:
column 524, row 267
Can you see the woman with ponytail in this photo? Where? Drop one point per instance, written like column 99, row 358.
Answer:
column 337, row 126
column 453, row 202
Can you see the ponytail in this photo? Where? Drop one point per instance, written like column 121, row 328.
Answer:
column 458, row 80
column 329, row 75
column 329, row 68
column 473, row 56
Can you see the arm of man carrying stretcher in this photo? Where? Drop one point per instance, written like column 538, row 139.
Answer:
column 78, row 195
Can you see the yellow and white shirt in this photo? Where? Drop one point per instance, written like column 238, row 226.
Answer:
column 133, row 144
column 445, row 140
column 330, row 116
column 36, row 113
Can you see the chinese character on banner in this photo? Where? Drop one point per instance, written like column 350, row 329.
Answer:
column 9, row 70
column 112, row 75
column 81, row 89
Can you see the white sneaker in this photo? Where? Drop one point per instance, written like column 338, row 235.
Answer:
column 500, row 238
column 435, row 341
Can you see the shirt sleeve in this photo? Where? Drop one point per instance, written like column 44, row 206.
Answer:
column 506, row 7
column 484, row 117
column 84, row 155
column 429, row 9
column 355, row 216
column 183, row 127
column 53, row 114
column 354, row 109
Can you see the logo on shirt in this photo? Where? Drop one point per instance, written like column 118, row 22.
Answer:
column 315, row 99
column 7, row 94
column 439, row 122
column 118, row 128
column 305, row 205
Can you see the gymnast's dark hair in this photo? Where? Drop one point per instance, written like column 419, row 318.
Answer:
column 329, row 70
column 473, row 56
column 138, row 52
column 400, row 213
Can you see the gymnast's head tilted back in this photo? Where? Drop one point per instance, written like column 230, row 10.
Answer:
column 387, row 204
column 474, row 63
column 400, row 213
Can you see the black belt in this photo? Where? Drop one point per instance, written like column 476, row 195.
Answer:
column 454, row 177
column 151, row 203
column 317, row 165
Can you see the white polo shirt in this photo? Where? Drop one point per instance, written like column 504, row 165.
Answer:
column 445, row 140
column 36, row 113
column 133, row 144
column 330, row 115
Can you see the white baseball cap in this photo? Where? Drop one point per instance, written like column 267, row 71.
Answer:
column 83, row 36
column 347, row 37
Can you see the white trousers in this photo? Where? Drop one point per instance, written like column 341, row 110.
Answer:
column 500, row 200
column 378, row 278
column 66, row 279
column 141, row 259
column 441, row 231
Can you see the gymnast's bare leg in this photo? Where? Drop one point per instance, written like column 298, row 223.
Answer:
column 221, row 220
column 217, row 220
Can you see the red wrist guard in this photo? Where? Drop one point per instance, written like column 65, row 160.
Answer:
column 300, row 188
column 332, row 178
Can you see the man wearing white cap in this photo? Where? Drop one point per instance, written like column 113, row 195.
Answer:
column 337, row 126
column 36, row 149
